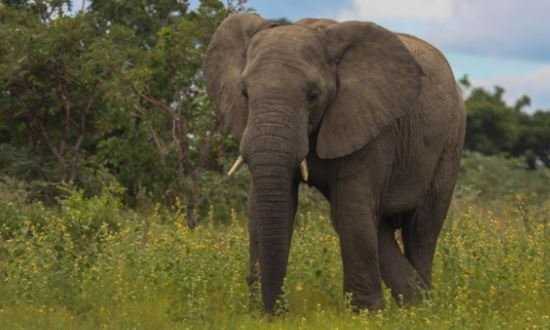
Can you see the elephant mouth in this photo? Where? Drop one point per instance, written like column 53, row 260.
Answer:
column 237, row 165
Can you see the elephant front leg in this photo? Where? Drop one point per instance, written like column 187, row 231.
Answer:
column 358, row 243
column 253, row 277
column 356, row 223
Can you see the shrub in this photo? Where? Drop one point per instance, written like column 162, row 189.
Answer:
column 15, row 211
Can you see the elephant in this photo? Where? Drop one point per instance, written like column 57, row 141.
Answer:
column 371, row 118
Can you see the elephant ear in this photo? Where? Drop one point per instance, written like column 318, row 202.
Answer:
column 379, row 81
column 225, row 60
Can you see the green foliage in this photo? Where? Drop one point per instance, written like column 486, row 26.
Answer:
column 493, row 179
column 49, row 94
column 116, row 89
column 83, row 217
column 86, row 217
column 15, row 211
column 146, row 18
column 534, row 137
column 494, row 127
column 44, row 10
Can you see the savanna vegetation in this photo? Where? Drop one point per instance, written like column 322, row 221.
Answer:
column 115, row 213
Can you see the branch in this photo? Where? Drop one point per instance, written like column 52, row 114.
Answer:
column 176, row 133
column 56, row 153
column 67, row 107
column 161, row 105
column 162, row 150
column 179, row 128
column 78, row 143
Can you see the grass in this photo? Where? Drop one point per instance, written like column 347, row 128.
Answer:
column 73, row 269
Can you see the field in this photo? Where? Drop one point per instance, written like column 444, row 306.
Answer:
column 92, row 263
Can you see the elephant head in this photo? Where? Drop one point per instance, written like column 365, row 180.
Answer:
column 280, row 86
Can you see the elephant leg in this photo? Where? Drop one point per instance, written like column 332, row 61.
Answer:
column 362, row 279
column 421, row 232
column 253, row 278
column 356, row 224
column 397, row 272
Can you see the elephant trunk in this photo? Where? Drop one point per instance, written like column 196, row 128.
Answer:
column 273, row 147
column 273, row 176
column 273, row 211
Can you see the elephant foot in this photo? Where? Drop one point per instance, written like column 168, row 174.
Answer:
column 254, row 295
column 409, row 299
column 372, row 303
column 413, row 294
column 281, row 307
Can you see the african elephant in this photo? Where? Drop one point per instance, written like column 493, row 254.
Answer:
column 371, row 118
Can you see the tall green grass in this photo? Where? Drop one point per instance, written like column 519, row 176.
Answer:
column 92, row 264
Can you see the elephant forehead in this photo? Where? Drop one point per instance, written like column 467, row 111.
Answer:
column 290, row 40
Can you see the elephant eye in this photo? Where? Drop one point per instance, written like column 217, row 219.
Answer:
column 244, row 89
column 312, row 94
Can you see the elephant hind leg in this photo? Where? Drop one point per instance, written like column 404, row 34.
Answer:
column 421, row 232
column 397, row 272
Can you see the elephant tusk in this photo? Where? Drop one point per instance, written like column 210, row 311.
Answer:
column 304, row 170
column 238, row 163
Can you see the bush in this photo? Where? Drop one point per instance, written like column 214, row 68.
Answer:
column 490, row 179
column 86, row 219
column 15, row 211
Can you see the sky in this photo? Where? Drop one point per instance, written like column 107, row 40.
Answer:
column 494, row 42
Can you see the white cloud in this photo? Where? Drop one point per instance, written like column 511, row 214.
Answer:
column 535, row 84
column 415, row 9
column 504, row 28
column 511, row 28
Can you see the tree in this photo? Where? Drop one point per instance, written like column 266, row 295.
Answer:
column 45, row 10
column 145, row 17
column 534, row 138
column 494, row 127
column 117, row 87
column 48, row 100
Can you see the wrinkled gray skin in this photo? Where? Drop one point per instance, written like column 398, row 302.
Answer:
column 380, row 120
